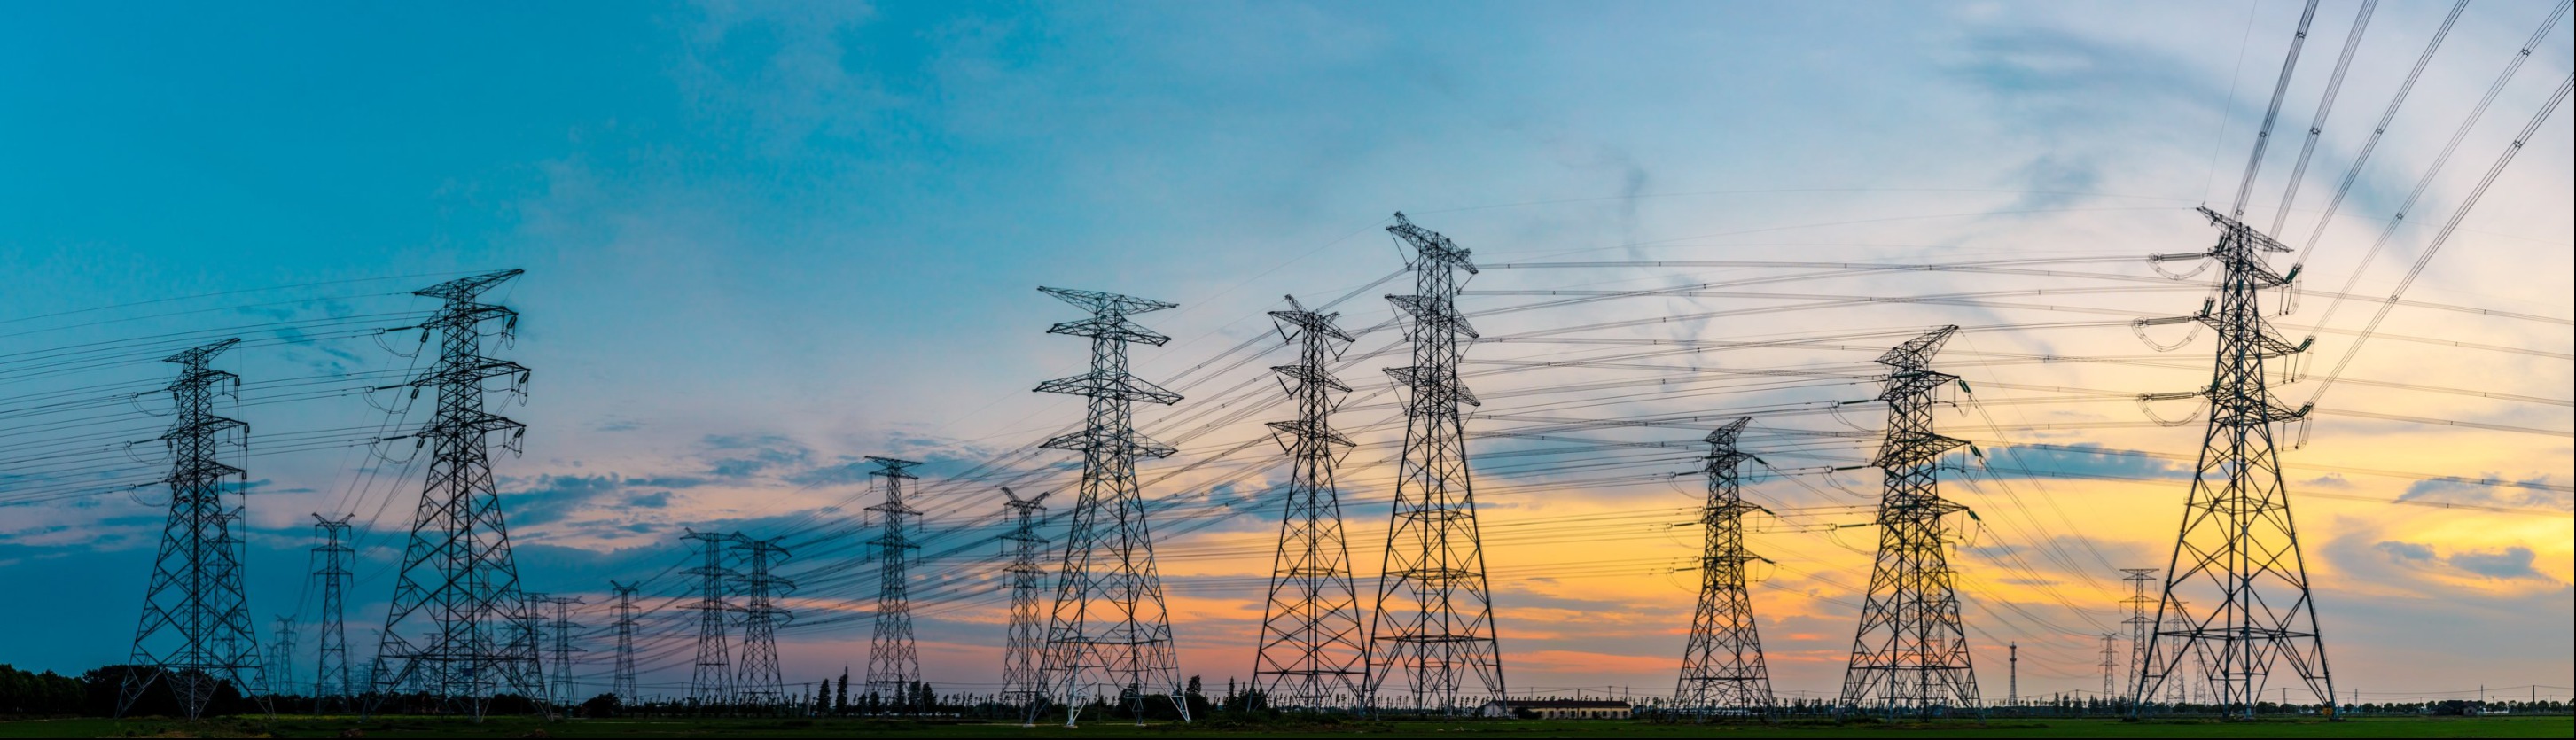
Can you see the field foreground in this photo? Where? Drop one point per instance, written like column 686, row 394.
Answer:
column 396, row 727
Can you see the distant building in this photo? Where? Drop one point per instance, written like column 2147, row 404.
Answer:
column 1562, row 709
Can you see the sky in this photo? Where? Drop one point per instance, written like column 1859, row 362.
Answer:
column 765, row 240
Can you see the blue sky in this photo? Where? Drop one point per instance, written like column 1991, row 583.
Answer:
column 764, row 239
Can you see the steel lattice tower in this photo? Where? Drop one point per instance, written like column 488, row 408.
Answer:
column 2139, row 624
column 2238, row 549
column 561, row 692
column 1020, row 660
column 760, row 683
column 281, row 650
column 622, row 681
column 1911, row 651
column 1109, row 617
column 454, row 630
column 331, row 662
column 1434, row 619
column 2110, row 667
column 1312, row 653
column 893, row 665
column 1722, row 667
column 195, row 633
column 711, row 684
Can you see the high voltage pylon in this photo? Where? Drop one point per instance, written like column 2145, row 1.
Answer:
column 561, row 691
column 1722, row 666
column 893, row 665
column 621, row 680
column 1020, row 660
column 760, row 683
column 195, row 633
column 1109, row 617
column 1911, row 651
column 532, row 628
column 1312, row 654
column 454, row 630
column 281, row 650
column 2139, row 624
column 711, row 683
column 2238, row 549
column 2110, row 667
column 331, row 662
column 1434, row 618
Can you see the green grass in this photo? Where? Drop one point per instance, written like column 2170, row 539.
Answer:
column 399, row 727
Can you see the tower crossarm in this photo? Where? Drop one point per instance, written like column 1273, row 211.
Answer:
column 1129, row 443
column 1905, row 449
column 1432, row 313
column 1119, row 385
column 1432, row 388
column 1430, row 246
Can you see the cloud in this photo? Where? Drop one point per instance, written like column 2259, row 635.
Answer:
column 2085, row 460
column 654, row 500
column 2509, row 563
column 2406, row 551
column 2492, row 490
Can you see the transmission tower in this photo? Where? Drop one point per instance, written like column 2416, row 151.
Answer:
column 2238, row 549
column 561, row 692
column 1020, row 659
column 1110, row 636
column 1312, row 654
column 454, row 628
column 2110, row 667
column 1911, row 653
column 711, row 686
column 1434, row 620
column 533, row 630
column 760, row 683
column 331, row 664
column 2139, row 624
column 281, row 650
column 2012, row 682
column 893, row 666
column 1722, row 667
column 195, row 633
column 622, row 681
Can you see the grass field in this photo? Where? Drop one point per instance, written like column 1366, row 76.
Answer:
column 396, row 727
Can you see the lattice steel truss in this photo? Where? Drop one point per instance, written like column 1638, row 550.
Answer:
column 711, row 682
column 560, row 686
column 1021, row 685
column 1110, row 635
column 1910, row 654
column 1312, row 653
column 893, row 665
column 1433, row 625
column 2238, row 551
column 455, row 630
column 195, row 633
column 760, row 684
column 2139, row 624
column 621, row 681
column 1723, row 673
column 331, row 685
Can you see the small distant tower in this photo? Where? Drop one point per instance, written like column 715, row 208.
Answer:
column 331, row 686
column 1722, row 668
column 893, row 666
column 622, row 680
column 1020, row 683
column 711, row 685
